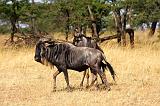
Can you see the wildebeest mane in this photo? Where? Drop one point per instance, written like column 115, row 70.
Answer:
column 56, row 51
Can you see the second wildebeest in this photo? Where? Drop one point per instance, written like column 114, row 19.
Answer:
column 81, row 40
column 67, row 56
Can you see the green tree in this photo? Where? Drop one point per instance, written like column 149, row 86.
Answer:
column 13, row 11
column 146, row 11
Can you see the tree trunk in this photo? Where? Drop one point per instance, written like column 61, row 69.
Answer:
column 130, row 31
column 34, row 29
column 13, row 19
column 124, row 21
column 83, row 30
column 33, row 21
column 13, row 28
column 118, row 23
column 152, row 29
column 67, row 24
column 108, row 38
column 33, row 2
column 67, row 32
column 94, row 29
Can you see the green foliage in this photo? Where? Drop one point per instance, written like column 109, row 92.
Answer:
column 57, row 15
column 109, row 23
column 145, row 11
column 4, row 29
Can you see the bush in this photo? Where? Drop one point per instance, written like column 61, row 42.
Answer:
column 4, row 29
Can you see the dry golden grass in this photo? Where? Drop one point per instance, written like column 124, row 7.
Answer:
column 26, row 82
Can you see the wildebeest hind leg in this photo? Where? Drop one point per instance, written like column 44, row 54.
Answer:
column 87, row 75
column 54, row 79
column 103, row 76
column 94, row 78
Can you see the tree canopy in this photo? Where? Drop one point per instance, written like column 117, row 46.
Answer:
column 63, row 15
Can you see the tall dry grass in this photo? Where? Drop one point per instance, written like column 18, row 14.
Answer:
column 26, row 82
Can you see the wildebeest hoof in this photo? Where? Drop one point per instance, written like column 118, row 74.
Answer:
column 54, row 90
column 69, row 89
column 81, row 85
column 87, row 87
column 108, row 88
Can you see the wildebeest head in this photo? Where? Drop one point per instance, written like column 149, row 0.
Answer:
column 77, row 38
column 41, row 49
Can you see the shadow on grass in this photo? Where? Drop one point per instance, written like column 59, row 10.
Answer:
column 98, row 87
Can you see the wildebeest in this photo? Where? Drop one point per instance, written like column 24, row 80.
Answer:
column 81, row 40
column 67, row 56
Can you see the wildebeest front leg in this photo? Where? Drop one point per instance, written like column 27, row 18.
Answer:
column 54, row 79
column 67, row 79
column 87, row 75
column 84, row 74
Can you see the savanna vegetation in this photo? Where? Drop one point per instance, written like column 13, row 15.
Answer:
column 26, row 82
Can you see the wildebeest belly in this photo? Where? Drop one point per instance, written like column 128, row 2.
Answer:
column 79, row 68
column 77, row 64
column 79, row 58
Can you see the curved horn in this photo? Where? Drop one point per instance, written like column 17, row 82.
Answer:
column 45, row 39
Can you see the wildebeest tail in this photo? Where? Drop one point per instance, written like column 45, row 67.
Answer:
column 104, row 66
column 113, row 74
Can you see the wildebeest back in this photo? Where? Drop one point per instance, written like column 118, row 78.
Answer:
column 72, row 57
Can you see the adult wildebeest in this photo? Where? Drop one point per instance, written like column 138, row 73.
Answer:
column 67, row 56
column 81, row 40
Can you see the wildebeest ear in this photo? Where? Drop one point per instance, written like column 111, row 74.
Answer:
column 46, row 44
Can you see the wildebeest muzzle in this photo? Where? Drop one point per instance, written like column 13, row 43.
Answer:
column 37, row 59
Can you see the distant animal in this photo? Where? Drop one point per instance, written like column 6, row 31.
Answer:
column 67, row 56
column 81, row 40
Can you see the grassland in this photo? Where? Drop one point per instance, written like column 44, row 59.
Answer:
column 24, row 82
